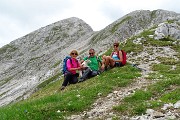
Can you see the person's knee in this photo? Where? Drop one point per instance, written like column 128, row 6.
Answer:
column 74, row 80
column 94, row 73
column 88, row 70
column 67, row 75
column 108, row 57
column 104, row 57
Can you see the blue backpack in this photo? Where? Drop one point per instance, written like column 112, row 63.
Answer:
column 64, row 68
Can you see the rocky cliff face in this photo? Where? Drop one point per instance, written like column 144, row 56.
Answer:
column 30, row 60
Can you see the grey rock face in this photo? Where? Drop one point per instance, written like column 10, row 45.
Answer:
column 165, row 30
column 28, row 61
column 33, row 58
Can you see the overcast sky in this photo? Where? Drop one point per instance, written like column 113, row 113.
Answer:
column 20, row 17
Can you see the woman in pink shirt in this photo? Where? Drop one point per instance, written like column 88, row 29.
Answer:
column 73, row 65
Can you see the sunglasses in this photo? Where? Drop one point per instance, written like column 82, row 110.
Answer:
column 74, row 54
column 91, row 53
column 115, row 45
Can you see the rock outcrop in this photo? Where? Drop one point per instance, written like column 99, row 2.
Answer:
column 33, row 58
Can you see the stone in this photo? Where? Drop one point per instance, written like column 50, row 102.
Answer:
column 177, row 104
column 149, row 111
column 166, row 106
column 34, row 58
column 157, row 114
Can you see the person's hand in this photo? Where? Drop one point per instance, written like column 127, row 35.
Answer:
column 79, row 68
column 113, row 60
column 102, row 67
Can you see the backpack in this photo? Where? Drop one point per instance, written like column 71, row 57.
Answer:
column 123, row 56
column 64, row 68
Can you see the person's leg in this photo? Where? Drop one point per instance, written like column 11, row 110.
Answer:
column 106, row 61
column 111, row 61
column 85, row 74
column 67, row 78
column 94, row 73
column 74, row 80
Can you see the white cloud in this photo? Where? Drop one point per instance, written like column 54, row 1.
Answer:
column 20, row 17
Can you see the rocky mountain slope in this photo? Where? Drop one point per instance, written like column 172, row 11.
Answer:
column 32, row 59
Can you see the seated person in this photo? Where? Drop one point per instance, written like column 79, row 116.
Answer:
column 71, row 76
column 115, row 59
column 93, row 66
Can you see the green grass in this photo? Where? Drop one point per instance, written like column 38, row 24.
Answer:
column 45, row 103
column 130, row 46
column 163, row 90
column 57, row 63
column 51, row 79
column 116, row 26
column 5, row 80
column 7, row 48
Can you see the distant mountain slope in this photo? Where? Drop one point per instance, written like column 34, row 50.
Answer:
column 31, row 59
column 27, row 61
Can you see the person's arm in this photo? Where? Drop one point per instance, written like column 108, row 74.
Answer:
column 79, row 65
column 81, row 61
column 99, row 60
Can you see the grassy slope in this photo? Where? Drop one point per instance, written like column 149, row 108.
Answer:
column 45, row 103
column 165, row 90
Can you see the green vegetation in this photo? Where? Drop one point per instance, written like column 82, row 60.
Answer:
column 115, row 27
column 50, row 103
column 57, row 28
column 171, row 21
column 4, row 81
column 165, row 90
column 35, row 49
column 34, row 58
column 57, row 63
column 45, row 103
column 46, row 82
column 100, row 36
column 47, row 39
column 7, row 48
column 130, row 46
column 153, row 14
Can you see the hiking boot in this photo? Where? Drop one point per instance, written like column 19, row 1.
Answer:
column 80, row 80
column 62, row 88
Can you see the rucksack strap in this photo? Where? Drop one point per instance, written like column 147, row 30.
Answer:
column 117, row 54
column 71, row 61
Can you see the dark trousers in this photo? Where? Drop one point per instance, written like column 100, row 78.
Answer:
column 70, row 78
column 88, row 73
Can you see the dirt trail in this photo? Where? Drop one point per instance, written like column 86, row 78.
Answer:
column 102, row 108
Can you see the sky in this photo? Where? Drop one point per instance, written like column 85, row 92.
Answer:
column 20, row 17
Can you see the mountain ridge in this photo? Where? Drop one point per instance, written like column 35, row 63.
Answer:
column 33, row 58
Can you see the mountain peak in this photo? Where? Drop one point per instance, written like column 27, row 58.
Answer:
column 30, row 60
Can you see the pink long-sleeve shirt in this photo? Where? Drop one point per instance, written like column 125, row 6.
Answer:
column 75, row 64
